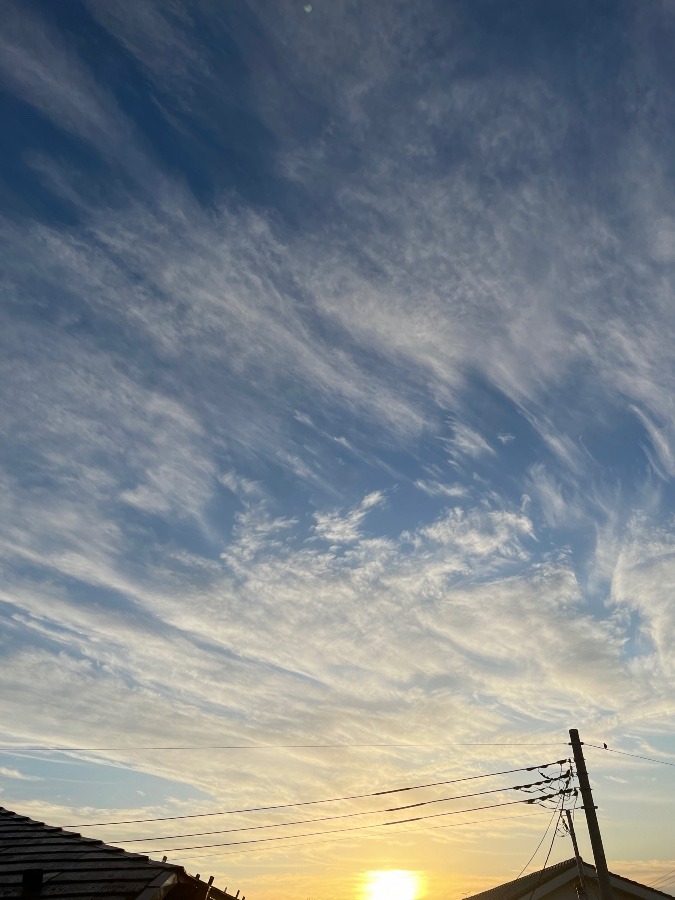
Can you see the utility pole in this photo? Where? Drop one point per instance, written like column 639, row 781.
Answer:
column 581, row 892
column 591, row 818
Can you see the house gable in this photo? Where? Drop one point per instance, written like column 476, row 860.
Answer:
column 558, row 882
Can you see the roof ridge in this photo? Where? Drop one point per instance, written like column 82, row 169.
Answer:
column 511, row 889
column 66, row 857
column 31, row 826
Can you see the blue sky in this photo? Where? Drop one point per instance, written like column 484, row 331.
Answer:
column 338, row 377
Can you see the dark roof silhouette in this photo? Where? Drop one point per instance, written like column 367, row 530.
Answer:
column 73, row 867
column 523, row 887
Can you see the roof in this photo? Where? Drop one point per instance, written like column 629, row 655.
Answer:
column 514, row 889
column 561, row 872
column 75, row 867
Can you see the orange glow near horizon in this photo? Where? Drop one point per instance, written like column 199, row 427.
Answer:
column 392, row 884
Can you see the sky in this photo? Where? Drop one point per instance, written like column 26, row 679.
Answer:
column 338, row 427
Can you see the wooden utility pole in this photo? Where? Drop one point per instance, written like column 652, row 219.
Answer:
column 591, row 818
column 580, row 863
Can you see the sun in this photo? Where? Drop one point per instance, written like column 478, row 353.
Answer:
column 393, row 884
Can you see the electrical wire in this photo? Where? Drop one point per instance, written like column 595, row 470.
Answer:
column 543, row 837
column 366, row 812
column 559, row 810
column 661, row 878
column 541, row 841
column 36, row 748
column 555, row 834
column 424, row 828
column 662, row 762
column 339, row 830
column 227, row 812
column 667, row 884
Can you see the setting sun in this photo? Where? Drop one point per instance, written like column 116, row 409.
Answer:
column 395, row 884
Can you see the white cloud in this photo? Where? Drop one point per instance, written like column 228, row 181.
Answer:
column 453, row 631
column 238, row 484
column 643, row 573
column 497, row 533
column 40, row 66
column 389, row 612
column 343, row 528
column 522, row 290
column 16, row 775
column 101, row 436
column 661, row 456
column 543, row 485
column 466, row 442
column 303, row 418
column 438, row 489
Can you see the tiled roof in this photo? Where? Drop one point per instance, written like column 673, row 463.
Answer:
column 522, row 887
column 78, row 868
column 514, row 889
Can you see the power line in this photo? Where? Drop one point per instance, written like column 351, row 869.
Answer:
column 541, row 841
column 350, row 828
column 662, row 762
column 426, row 828
column 543, row 837
column 38, row 748
column 228, row 812
column 366, row 812
column 555, row 833
column 662, row 878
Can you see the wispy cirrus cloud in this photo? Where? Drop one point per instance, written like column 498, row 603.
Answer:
column 466, row 442
column 16, row 775
column 660, row 454
column 332, row 413
column 438, row 489
column 342, row 528
column 643, row 571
